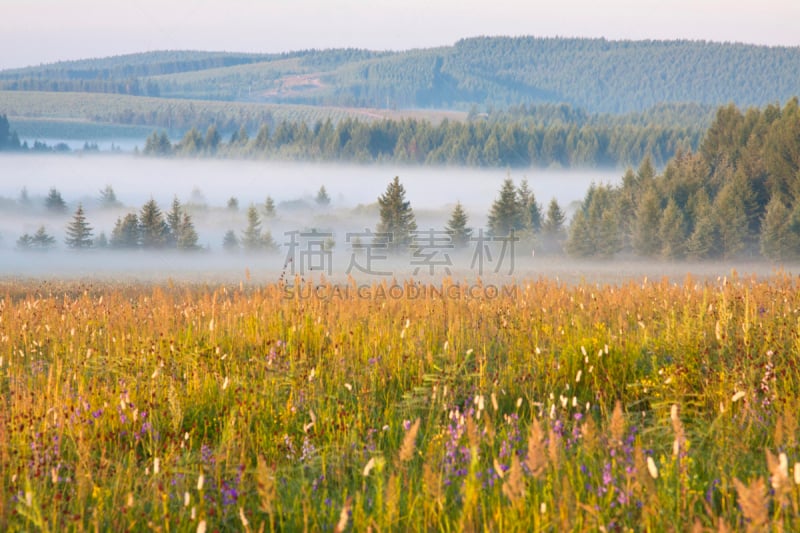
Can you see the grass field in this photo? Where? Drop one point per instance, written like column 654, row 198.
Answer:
column 647, row 406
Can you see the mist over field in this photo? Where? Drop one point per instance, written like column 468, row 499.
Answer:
column 204, row 188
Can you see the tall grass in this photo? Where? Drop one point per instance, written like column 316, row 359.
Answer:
column 646, row 406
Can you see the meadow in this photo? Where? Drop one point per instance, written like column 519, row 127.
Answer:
column 540, row 406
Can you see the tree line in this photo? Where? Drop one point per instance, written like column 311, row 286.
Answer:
column 478, row 142
column 737, row 195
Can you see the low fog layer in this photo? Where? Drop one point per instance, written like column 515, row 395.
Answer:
column 136, row 179
column 204, row 188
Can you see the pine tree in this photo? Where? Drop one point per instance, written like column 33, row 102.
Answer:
column 187, row 235
column 233, row 203
column 460, row 234
column 108, row 197
column 672, row 232
column 733, row 225
column 580, row 242
column 553, row 225
column 397, row 217
column 230, row 242
column 126, row 232
column 42, row 240
column 704, row 241
column 54, row 202
column 531, row 211
column 506, row 213
column 269, row 207
column 323, row 200
column 153, row 229
column 553, row 234
column 101, row 241
column 646, row 240
column 174, row 220
column 212, row 139
column 778, row 241
column 24, row 198
column 251, row 237
column 79, row 233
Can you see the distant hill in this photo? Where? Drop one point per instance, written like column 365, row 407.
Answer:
column 597, row 75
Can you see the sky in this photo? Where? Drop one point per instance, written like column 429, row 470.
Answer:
column 42, row 31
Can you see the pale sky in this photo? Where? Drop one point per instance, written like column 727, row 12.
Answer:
column 42, row 31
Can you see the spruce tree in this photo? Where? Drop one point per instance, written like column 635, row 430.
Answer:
column 460, row 234
column 646, row 240
column 729, row 207
column 54, row 202
column 174, row 220
column 126, row 232
column 531, row 211
column 79, row 233
column 187, row 235
column 269, row 207
column 230, row 242
column 778, row 241
column 553, row 234
column 251, row 237
column 322, row 199
column 397, row 217
column 672, row 232
column 553, row 225
column 704, row 241
column 108, row 198
column 153, row 227
column 580, row 242
column 42, row 240
column 506, row 212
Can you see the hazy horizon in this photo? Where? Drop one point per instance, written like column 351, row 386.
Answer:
column 44, row 31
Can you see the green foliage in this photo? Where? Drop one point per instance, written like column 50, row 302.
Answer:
column 487, row 72
column 153, row 229
column 779, row 241
column 126, row 232
column 595, row 229
column 396, row 216
column 230, row 242
column 108, row 198
column 79, row 233
column 40, row 240
column 460, row 234
column 646, row 238
column 506, row 214
column 672, row 232
column 54, row 202
column 322, row 199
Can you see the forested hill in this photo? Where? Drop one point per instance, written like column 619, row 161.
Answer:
column 597, row 75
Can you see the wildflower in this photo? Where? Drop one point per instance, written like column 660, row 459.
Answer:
column 578, row 376
column 201, row 526
column 409, row 442
column 156, row 466
column 348, row 386
column 652, row 468
column 200, row 480
column 344, row 516
column 738, row 396
column 245, row 523
column 368, row 467
column 225, row 383
column 797, row 473
column 186, row 499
